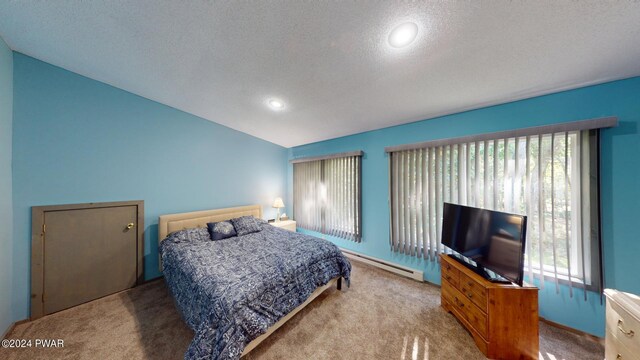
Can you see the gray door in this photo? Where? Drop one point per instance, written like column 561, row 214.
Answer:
column 88, row 253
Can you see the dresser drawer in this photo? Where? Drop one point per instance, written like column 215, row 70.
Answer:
column 468, row 310
column 450, row 273
column 624, row 327
column 474, row 291
column 285, row 224
column 614, row 350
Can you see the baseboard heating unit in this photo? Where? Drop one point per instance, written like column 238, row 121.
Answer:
column 385, row 265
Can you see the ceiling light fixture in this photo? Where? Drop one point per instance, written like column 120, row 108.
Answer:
column 403, row 34
column 276, row 104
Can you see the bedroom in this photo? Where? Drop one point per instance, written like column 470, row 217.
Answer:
column 214, row 105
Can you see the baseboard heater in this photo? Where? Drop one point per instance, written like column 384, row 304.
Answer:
column 394, row 268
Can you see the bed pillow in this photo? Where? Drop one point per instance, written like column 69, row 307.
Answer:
column 221, row 230
column 246, row 225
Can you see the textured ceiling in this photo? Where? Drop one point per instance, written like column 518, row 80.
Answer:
column 329, row 61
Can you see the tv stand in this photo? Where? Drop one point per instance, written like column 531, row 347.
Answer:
column 502, row 318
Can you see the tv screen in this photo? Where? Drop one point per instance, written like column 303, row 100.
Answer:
column 493, row 240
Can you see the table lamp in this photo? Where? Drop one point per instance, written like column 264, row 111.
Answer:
column 277, row 203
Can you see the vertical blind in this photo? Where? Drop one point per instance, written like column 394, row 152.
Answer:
column 327, row 196
column 552, row 178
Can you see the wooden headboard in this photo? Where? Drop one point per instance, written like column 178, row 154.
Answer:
column 196, row 219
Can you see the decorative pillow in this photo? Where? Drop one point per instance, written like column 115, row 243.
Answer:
column 221, row 230
column 246, row 225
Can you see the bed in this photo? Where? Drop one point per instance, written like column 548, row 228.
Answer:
column 235, row 292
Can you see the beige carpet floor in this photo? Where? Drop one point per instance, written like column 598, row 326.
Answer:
column 382, row 316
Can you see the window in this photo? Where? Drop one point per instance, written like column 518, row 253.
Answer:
column 552, row 178
column 327, row 196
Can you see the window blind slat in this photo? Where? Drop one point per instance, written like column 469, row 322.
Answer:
column 400, row 210
column 462, row 175
column 317, row 175
column 414, row 203
column 529, row 202
column 432, row 204
column 410, row 209
column 354, row 215
column 438, row 190
column 351, row 196
column 468, row 177
column 333, row 191
column 517, row 183
column 485, row 170
column 553, row 211
column 446, row 164
column 339, row 197
column 401, row 204
column 540, row 210
column 420, row 196
column 477, row 176
column 400, row 244
column 566, row 209
column 452, row 174
column 333, row 227
column 356, row 199
column 356, row 196
column 581, row 202
column 336, row 198
column 341, row 176
column 407, row 212
column 327, row 186
column 494, row 185
column 506, row 201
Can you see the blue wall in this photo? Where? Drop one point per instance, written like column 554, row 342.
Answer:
column 6, row 209
column 620, row 183
column 78, row 140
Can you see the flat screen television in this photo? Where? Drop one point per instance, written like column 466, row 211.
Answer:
column 493, row 241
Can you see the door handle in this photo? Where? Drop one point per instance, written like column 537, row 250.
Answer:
column 130, row 225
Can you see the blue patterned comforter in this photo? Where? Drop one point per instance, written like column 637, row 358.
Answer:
column 230, row 291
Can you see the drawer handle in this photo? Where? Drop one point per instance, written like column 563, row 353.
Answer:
column 618, row 357
column 629, row 333
column 469, row 295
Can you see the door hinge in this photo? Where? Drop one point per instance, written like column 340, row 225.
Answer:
column 44, row 228
column 43, row 297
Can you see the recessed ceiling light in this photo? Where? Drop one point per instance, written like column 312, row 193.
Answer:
column 403, row 34
column 276, row 104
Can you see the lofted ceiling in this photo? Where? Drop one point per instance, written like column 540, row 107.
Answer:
column 330, row 63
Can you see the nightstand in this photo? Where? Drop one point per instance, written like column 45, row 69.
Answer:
column 285, row 224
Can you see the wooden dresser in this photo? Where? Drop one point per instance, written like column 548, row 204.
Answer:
column 502, row 318
column 622, row 339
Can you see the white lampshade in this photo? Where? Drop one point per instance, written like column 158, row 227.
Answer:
column 277, row 203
